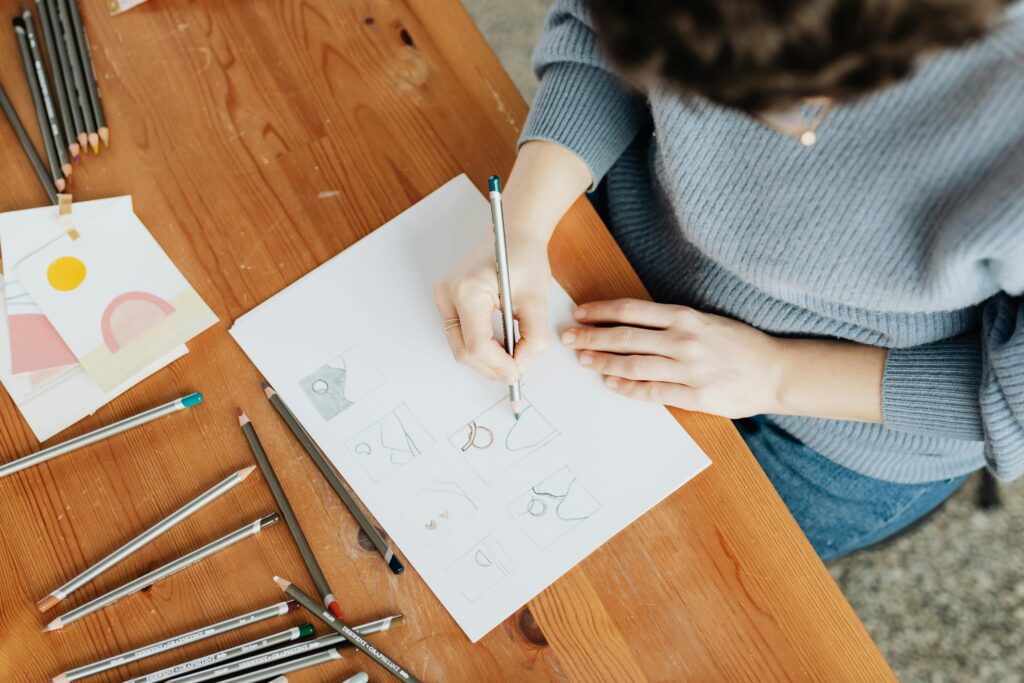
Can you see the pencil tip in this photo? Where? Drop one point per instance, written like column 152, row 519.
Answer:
column 66, row 170
column 282, row 584
column 243, row 419
column 47, row 602
column 63, row 678
column 269, row 390
column 54, row 625
column 246, row 472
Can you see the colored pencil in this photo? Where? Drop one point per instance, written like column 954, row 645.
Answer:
column 312, row 566
column 89, row 72
column 504, row 285
column 26, row 144
column 174, row 642
column 339, row 626
column 307, row 662
column 47, row 21
column 163, row 572
column 88, row 133
column 44, row 91
column 181, row 514
column 100, row 434
column 335, row 481
column 266, row 659
column 74, row 106
column 37, row 102
column 303, row 631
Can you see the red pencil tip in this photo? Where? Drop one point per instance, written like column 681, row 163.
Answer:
column 335, row 609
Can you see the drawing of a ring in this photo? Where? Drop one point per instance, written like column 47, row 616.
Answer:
column 474, row 431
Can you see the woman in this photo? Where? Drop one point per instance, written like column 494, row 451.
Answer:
column 826, row 201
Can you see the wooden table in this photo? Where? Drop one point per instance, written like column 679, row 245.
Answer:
column 258, row 139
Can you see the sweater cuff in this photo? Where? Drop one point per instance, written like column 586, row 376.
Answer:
column 586, row 110
column 933, row 390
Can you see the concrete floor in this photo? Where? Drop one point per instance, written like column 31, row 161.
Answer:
column 945, row 603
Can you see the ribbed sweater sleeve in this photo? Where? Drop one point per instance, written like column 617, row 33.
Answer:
column 580, row 105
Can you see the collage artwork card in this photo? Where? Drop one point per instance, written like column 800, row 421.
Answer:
column 114, row 296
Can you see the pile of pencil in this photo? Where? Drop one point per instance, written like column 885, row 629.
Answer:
column 64, row 91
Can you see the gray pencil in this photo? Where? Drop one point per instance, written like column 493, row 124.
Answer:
column 303, row 631
column 77, row 77
column 100, row 434
column 37, row 101
column 174, row 642
column 335, row 482
column 26, row 144
column 267, row 658
column 89, row 72
column 59, row 86
column 168, row 522
column 319, row 580
column 163, row 572
column 44, row 91
column 309, row 661
column 78, row 133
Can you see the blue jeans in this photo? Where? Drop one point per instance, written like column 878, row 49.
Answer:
column 839, row 510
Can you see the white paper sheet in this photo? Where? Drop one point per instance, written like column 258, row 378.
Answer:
column 488, row 513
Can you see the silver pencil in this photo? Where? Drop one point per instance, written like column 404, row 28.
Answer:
column 182, row 513
column 100, row 434
column 263, row 660
column 163, row 572
column 504, row 284
column 315, row 659
column 181, row 640
column 303, row 631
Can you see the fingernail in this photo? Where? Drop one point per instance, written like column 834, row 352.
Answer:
column 586, row 359
column 568, row 337
column 611, row 381
column 581, row 312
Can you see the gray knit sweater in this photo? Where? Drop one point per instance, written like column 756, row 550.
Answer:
column 903, row 227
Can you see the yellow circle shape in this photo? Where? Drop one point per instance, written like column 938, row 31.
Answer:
column 66, row 273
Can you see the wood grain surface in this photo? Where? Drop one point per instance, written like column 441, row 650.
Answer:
column 259, row 138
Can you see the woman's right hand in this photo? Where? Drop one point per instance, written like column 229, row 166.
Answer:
column 468, row 296
column 546, row 179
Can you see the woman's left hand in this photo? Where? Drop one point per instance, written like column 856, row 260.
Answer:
column 681, row 357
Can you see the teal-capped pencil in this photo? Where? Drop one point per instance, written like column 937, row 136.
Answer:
column 504, row 285
column 100, row 434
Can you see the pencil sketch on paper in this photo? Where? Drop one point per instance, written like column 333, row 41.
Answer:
column 441, row 505
column 494, row 441
column 554, row 506
column 476, row 572
column 341, row 382
column 395, row 440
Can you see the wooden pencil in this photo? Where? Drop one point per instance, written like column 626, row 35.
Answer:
column 59, row 86
column 52, row 116
column 319, row 580
column 26, row 144
column 88, row 135
column 21, row 34
column 335, row 481
column 89, row 72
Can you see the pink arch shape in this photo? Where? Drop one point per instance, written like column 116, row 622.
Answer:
column 108, row 334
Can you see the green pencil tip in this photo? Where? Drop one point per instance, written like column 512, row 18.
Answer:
column 96, row 149
column 305, row 631
column 494, row 184
column 192, row 400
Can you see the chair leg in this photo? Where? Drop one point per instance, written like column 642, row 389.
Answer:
column 988, row 492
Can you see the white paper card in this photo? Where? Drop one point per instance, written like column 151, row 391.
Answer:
column 489, row 511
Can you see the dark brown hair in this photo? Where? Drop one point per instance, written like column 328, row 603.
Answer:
column 758, row 55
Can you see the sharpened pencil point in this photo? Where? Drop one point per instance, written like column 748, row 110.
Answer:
column 282, row 584
column 94, row 143
column 243, row 419
column 47, row 602
column 63, row 678
column 246, row 472
column 54, row 625
column 66, row 170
